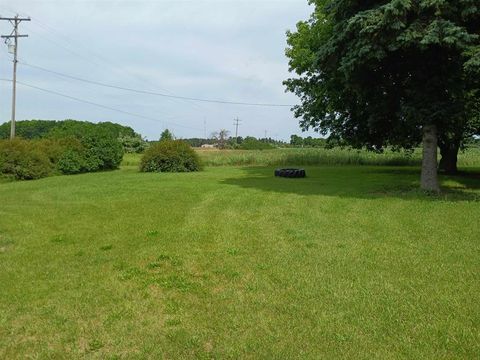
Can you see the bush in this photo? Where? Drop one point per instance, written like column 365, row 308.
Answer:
column 71, row 162
column 133, row 144
column 170, row 156
column 89, row 153
column 250, row 143
column 55, row 148
column 24, row 160
column 34, row 159
column 103, row 152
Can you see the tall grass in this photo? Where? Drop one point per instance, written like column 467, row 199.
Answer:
column 304, row 157
column 470, row 157
column 311, row 157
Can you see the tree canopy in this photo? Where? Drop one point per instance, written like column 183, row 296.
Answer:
column 377, row 73
column 37, row 129
column 166, row 135
column 40, row 129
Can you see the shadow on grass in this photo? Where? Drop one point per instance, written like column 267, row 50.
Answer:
column 361, row 182
column 6, row 179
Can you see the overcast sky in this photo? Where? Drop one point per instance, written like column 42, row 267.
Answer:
column 227, row 50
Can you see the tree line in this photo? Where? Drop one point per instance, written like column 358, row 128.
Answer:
column 223, row 140
column 40, row 129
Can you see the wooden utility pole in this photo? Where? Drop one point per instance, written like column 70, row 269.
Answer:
column 15, row 21
column 237, row 124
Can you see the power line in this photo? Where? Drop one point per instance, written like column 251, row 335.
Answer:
column 224, row 102
column 69, row 40
column 98, row 105
column 111, row 66
column 89, row 59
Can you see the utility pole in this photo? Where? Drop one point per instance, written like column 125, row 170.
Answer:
column 236, row 124
column 15, row 21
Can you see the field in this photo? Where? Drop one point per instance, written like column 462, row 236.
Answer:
column 310, row 157
column 351, row 262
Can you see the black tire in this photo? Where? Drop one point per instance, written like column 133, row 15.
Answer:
column 290, row 173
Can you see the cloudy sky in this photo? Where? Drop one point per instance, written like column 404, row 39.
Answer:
column 215, row 49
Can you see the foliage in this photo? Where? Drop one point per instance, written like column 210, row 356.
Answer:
column 37, row 129
column 102, row 152
column 298, row 141
column 31, row 129
column 55, row 148
column 101, row 148
column 24, row 160
column 133, row 144
column 234, row 143
column 251, row 143
column 77, row 129
column 198, row 142
column 166, row 135
column 373, row 73
column 41, row 129
column 34, row 159
column 71, row 162
column 170, row 156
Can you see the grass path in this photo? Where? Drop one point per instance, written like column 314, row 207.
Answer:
column 233, row 263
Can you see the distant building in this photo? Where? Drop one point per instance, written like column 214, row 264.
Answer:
column 209, row 146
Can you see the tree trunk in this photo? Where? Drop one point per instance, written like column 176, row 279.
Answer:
column 449, row 152
column 429, row 179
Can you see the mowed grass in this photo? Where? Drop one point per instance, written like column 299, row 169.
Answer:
column 351, row 262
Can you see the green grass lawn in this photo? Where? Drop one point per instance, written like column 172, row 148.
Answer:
column 351, row 262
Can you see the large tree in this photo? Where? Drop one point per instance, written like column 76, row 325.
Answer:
column 389, row 73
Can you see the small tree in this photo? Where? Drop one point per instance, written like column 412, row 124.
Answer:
column 166, row 135
column 296, row 140
column 221, row 137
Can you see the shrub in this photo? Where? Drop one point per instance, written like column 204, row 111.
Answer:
column 34, row 159
column 89, row 153
column 71, row 162
column 55, row 148
column 133, row 144
column 103, row 152
column 24, row 160
column 250, row 143
column 170, row 156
